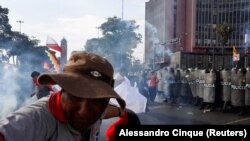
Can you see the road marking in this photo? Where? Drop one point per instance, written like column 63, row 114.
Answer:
column 244, row 119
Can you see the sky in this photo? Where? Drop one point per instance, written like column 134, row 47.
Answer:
column 74, row 20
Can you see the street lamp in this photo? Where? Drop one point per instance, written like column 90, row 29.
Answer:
column 20, row 22
column 122, row 7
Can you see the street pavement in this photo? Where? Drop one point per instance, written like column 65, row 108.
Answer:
column 165, row 114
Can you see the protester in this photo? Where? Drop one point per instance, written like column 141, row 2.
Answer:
column 143, row 87
column 171, row 79
column 73, row 114
column 152, row 86
column 40, row 90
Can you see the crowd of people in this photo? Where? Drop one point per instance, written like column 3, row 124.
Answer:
column 223, row 89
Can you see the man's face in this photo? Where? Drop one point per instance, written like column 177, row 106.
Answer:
column 82, row 113
column 34, row 79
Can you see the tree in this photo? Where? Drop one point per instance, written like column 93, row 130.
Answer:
column 26, row 51
column 118, row 41
column 18, row 45
column 5, row 27
column 224, row 31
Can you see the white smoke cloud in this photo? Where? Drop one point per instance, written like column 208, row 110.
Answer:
column 9, row 90
column 156, row 46
column 139, row 51
column 15, row 86
column 153, row 38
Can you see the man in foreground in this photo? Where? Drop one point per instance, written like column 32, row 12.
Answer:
column 74, row 113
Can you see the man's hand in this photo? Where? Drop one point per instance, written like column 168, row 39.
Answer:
column 113, row 111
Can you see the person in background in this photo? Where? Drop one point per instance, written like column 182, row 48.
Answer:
column 165, row 84
column 160, row 84
column 143, row 87
column 152, row 86
column 73, row 114
column 171, row 79
column 40, row 90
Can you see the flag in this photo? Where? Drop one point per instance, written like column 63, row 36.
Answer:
column 46, row 65
column 52, row 44
column 236, row 55
column 53, row 60
column 234, row 51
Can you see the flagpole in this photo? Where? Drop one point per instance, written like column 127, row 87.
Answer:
column 20, row 22
column 246, row 50
column 122, row 8
column 245, row 57
column 213, row 58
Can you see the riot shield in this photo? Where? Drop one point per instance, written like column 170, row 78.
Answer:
column 226, row 85
column 238, row 88
column 209, row 87
column 247, row 94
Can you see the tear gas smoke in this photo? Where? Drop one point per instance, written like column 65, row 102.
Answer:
column 160, row 48
column 15, row 87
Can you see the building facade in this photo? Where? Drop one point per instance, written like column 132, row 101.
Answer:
column 195, row 23
column 211, row 13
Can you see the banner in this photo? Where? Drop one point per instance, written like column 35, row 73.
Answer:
column 53, row 60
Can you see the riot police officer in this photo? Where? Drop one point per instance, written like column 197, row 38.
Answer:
column 247, row 94
column 217, row 97
column 185, row 88
column 209, row 88
column 192, row 83
column 226, row 88
column 238, row 90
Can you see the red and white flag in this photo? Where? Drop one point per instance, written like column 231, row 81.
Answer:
column 52, row 44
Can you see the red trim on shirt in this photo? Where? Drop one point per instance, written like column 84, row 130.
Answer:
column 110, row 131
column 55, row 107
column 2, row 137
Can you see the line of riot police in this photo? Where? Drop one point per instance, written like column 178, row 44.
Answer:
column 224, row 89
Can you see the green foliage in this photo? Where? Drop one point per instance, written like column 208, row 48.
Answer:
column 5, row 28
column 18, row 44
column 117, row 43
column 224, row 31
